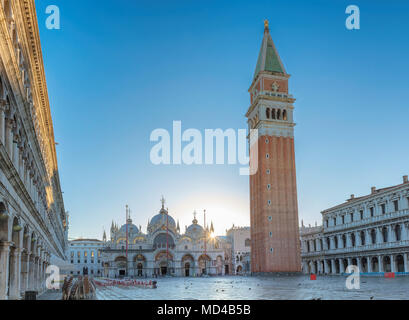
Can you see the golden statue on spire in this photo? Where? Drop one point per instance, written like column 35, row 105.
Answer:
column 266, row 25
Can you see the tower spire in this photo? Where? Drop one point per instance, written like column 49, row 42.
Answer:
column 268, row 58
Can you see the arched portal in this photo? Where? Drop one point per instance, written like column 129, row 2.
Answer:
column 219, row 265
column 139, row 264
column 187, row 265
column 239, row 270
column 204, row 262
column 163, row 263
column 121, row 266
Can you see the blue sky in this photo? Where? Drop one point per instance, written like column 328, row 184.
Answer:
column 119, row 69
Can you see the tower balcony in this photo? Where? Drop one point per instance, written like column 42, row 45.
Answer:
column 281, row 95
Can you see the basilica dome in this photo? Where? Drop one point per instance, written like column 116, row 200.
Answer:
column 194, row 230
column 132, row 229
column 162, row 219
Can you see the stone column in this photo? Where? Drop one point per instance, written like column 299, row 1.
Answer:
column 333, row 266
column 341, row 266
column 2, row 122
column 325, row 267
column 404, row 231
column 379, row 235
column 359, row 262
column 349, row 239
column 393, row 266
column 391, row 234
column 31, row 272
column 38, row 273
column 15, row 268
column 16, row 156
column 380, row 263
column 369, row 264
column 368, row 238
column 25, row 263
column 349, row 262
column 4, row 269
column 406, row 262
column 8, row 139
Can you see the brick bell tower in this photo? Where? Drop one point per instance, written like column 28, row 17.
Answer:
column 275, row 242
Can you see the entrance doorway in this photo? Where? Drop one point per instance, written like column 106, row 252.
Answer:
column 163, row 271
column 187, row 269
column 140, row 268
column 122, row 273
column 226, row 269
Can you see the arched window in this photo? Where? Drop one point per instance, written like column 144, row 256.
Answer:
column 247, row 242
column 273, row 113
column 268, row 113
column 398, row 232
column 373, row 236
column 308, row 246
column 385, row 234
column 336, row 242
column 353, row 239
column 363, row 238
column 278, row 114
column 328, row 244
column 344, row 241
column 285, row 115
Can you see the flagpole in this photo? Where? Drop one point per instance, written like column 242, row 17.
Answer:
column 205, row 239
column 167, row 242
column 126, row 223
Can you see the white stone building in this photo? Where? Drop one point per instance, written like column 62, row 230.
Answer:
column 85, row 257
column 371, row 232
column 33, row 222
column 241, row 250
column 163, row 250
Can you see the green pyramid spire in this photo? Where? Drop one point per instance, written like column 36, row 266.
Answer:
column 268, row 58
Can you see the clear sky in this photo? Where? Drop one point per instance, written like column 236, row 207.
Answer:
column 116, row 70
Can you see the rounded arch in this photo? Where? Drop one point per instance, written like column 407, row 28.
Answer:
column 26, row 237
column 278, row 114
column 139, row 257
column 163, row 240
column 375, row 264
column 268, row 113
column 387, row 264
column 285, row 115
column 16, row 231
column 400, row 263
column 273, row 114
column 33, row 245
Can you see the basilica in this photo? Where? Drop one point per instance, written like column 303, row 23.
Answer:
column 163, row 250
